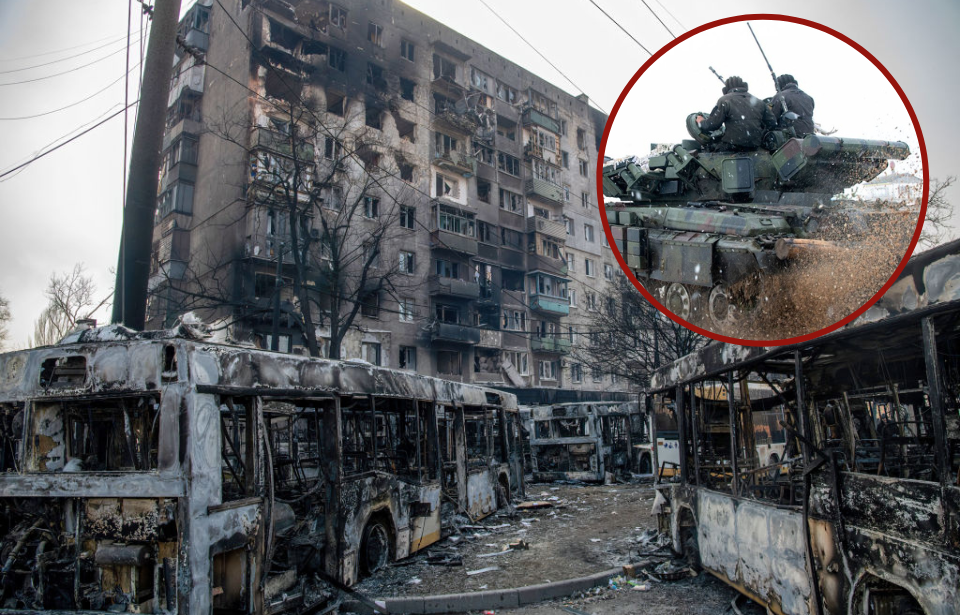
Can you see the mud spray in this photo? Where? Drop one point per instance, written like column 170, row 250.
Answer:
column 824, row 286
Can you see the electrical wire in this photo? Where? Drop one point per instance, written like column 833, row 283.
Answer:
column 545, row 58
column 66, row 72
column 114, row 38
column 671, row 14
column 17, row 70
column 71, row 105
column 658, row 18
column 619, row 26
column 53, row 149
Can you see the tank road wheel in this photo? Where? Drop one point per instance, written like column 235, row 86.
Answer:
column 676, row 298
column 375, row 547
column 720, row 307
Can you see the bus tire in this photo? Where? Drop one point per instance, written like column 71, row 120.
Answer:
column 375, row 547
column 646, row 464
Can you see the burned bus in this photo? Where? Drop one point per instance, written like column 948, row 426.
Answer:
column 583, row 441
column 157, row 472
column 862, row 512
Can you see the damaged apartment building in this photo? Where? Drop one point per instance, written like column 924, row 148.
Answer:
column 438, row 190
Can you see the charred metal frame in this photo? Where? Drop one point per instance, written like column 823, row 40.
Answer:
column 591, row 455
column 242, row 501
column 873, row 415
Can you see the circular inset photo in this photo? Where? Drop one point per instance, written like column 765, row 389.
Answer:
column 763, row 180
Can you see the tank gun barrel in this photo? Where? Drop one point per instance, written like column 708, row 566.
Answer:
column 822, row 146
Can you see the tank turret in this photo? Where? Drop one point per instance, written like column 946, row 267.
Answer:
column 701, row 229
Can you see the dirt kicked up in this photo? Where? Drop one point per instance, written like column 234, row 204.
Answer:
column 573, row 531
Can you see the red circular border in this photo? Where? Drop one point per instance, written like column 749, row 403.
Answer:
column 606, row 224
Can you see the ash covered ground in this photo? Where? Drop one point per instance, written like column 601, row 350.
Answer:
column 586, row 529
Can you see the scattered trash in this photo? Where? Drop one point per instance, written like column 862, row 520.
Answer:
column 414, row 581
column 572, row 610
column 494, row 554
column 641, row 588
column 595, row 540
column 445, row 559
column 471, row 573
column 535, row 504
column 520, row 545
column 489, row 613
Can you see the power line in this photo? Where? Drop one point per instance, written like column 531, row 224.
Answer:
column 658, row 18
column 17, row 70
column 47, row 53
column 545, row 58
column 75, row 137
column 670, row 14
column 45, row 113
column 69, row 70
column 618, row 25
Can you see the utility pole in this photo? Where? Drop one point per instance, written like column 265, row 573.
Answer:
column 133, row 264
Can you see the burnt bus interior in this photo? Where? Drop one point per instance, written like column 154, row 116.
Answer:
column 584, row 441
column 124, row 481
column 871, row 462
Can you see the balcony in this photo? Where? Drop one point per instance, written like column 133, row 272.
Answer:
column 532, row 116
column 490, row 339
column 457, row 162
column 546, row 264
column 189, row 79
column 464, row 123
column 550, row 305
column 452, row 287
column 549, row 343
column 545, row 190
column 550, row 228
column 280, row 143
column 454, row 333
column 445, row 240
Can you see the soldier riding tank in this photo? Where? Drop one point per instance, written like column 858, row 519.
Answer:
column 701, row 229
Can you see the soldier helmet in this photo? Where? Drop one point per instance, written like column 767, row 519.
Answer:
column 734, row 82
column 784, row 80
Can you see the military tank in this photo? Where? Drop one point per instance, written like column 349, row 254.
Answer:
column 702, row 229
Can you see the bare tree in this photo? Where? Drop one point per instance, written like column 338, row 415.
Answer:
column 324, row 202
column 5, row 318
column 72, row 298
column 936, row 224
column 630, row 338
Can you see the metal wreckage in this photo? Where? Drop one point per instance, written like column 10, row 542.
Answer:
column 862, row 513
column 158, row 472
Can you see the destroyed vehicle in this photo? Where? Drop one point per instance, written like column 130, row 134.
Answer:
column 154, row 472
column 701, row 229
column 862, row 512
column 583, row 441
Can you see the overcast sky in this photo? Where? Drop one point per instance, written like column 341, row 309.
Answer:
column 66, row 208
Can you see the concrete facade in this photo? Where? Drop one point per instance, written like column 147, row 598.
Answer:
column 498, row 166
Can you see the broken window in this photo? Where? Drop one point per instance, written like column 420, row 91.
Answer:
column 408, row 357
column 445, row 144
column 448, row 362
column 514, row 320
column 408, row 216
column 480, row 80
column 337, row 59
column 483, row 190
column 447, row 313
column 511, row 239
column 93, row 436
column 487, row 233
column 444, row 68
column 484, row 154
column 506, row 128
column 336, row 103
column 511, row 201
column 456, row 221
column 371, row 207
column 408, row 262
column 486, row 360
column 565, row 159
column 406, row 171
column 406, row 129
column 374, row 117
column 282, row 87
column 375, row 34
column 476, row 425
column 370, row 352
column 375, row 77
column 407, row 309
column 519, row 360
column 332, row 149
column 370, row 305
column 584, row 168
column 407, row 49
column 508, row 164
column 448, row 269
column 447, row 186
column 581, row 139
column 407, row 88
column 338, row 16
column 506, row 93
column 549, row 370
column 541, row 429
column 332, row 197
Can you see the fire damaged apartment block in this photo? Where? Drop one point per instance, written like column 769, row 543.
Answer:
column 357, row 180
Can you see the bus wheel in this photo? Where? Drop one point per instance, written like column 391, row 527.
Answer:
column 646, row 467
column 375, row 547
